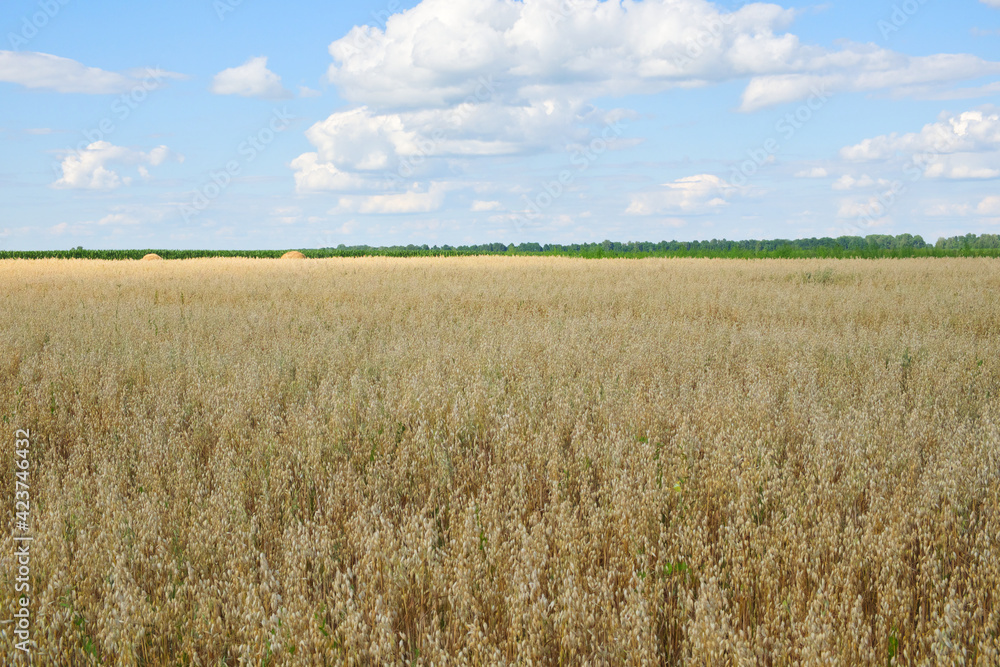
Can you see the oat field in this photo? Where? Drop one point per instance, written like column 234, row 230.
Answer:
column 486, row 461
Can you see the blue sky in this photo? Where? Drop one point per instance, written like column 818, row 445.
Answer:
column 242, row 124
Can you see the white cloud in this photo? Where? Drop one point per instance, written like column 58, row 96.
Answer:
column 360, row 140
column 989, row 206
column 694, row 194
column 306, row 91
column 406, row 202
column 327, row 237
column 960, row 93
column 311, row 175
column 251, row 79
column 364, row 140
column 508, row 218
column 946, row 210
column 116, row 219
column 89, row 169
column 63, row 75
column 863, row 68
column 971, row 131
column 400, row 145
column 848, row 182
column 433, row 54
column 966, row 146
column 451, row 79
column 480, row 205
column 870, row 208
column 287, row 215
column 131, row 215
column 991, row 3
column 951, row 168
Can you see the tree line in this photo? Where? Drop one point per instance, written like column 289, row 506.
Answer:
column 871, row 246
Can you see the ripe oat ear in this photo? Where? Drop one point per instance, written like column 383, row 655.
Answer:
column 502, row 460
column 293, row 254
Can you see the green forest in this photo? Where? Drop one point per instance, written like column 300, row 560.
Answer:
column 872, row 246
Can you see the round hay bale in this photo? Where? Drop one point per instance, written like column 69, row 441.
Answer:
column 293, row 254
column 150, row 257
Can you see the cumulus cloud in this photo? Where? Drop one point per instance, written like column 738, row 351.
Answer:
column 863, row 68
column 871, row 209
column 991, row 3
column 946, row 210
column 450, row 79
column 694, row 194
column 961, row 168
column 63, row 75
column 479, row 206
column 400, row 144
column 848, row 182
column 446, row 81
column 251, row 79
column 432, row 54
column 311, row 175
column 364, row 140
column 287, row 215
column 405, row 202
column 972, row 131
column 90, row 169
column 966, row 146
column 989, row 206
column 361, row 140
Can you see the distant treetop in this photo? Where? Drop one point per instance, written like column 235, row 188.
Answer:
column 871, row 246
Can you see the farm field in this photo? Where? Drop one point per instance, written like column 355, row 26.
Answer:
column 506, row 460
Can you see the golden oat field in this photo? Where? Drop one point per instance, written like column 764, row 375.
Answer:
column 489, row 461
